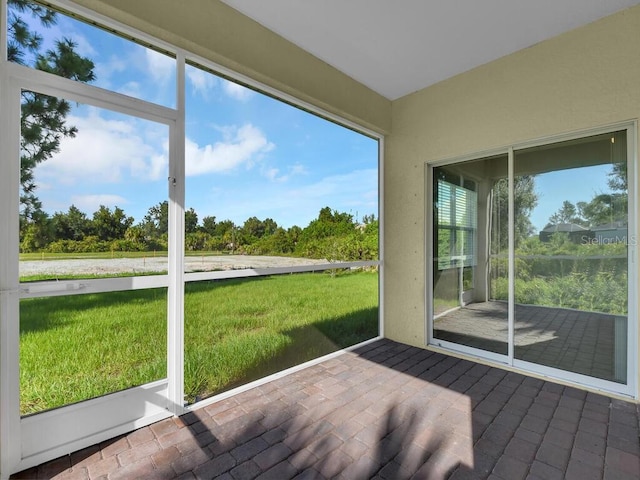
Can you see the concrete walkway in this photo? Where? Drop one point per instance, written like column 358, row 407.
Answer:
column 387, row 411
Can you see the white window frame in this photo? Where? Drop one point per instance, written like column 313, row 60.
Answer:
column 630, row 389
column 23, row 441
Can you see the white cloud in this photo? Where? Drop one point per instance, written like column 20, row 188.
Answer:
column 274, row 175
column 237, row 91
column 83, row 45
column 241, row 146
column 104, row 151
column 133, row 89
column 115, row 65
column 91, row 203
column 201, row 81
column 353, row 188
column 161, row 67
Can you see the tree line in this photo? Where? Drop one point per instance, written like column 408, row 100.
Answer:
column 43, row 121
column 332, row 235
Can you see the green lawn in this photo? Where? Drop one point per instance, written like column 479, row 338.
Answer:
column 78, row 347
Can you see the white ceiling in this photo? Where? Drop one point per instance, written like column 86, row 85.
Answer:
column 396, row 47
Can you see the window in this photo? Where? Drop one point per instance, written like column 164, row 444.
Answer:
column 546, row 252
column 146, row 262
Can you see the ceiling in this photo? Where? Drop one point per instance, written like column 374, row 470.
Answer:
column 396, row 47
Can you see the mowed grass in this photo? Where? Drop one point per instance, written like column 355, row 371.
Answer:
column 82, row 346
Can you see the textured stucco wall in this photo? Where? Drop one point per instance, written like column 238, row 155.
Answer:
column 588, row 77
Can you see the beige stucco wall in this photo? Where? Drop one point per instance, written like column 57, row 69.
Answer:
column 212, row 30
column 586, row 78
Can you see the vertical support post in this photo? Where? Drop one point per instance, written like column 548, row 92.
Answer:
column 175, row 317
column 10, row 438
column 512, row 260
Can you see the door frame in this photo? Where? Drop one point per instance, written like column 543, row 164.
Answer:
column 28, row 441
column 630, row 389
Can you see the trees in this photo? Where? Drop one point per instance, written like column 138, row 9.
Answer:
column 108, row 225
column 603, row 208
column 190, row 221
column 73, row 225
column 332, row 236
column 155, row 223
column 568, row 213
column 43, row 118
column 524, row 201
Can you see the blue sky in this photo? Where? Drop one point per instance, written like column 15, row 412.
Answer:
column 246, row 154
column 574, row 185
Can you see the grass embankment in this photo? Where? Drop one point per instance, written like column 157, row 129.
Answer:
column 78, row 347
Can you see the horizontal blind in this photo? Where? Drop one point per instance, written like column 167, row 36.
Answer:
column 457, row 223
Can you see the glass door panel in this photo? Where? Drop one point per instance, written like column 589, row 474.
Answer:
column 89, row 178
column 571, row 276
column 469, row 267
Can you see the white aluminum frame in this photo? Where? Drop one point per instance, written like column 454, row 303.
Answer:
column 22, row 443
column 630, row 389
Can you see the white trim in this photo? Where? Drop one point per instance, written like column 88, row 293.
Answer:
column 54, row 85
column 10, row 436
column 511, row 315
column 428, row 246
column 381, row 323
column 54, row 288
column 498, row 359
column 633, row 264
column 261, row 272
column 282, row 373
column 75, row 425
column 175, row 303
column 577, row 379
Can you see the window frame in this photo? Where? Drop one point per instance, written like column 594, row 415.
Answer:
column 630, row 388
column 13, row 77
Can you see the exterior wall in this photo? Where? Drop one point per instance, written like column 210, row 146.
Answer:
column 215, row 31
column 582, row 79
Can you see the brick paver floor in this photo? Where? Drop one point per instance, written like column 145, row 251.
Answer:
column 385, row 411
column 572, row 340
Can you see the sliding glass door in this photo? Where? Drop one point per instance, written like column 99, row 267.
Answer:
column 470, row 203
column 571, row 278
column 531, row 258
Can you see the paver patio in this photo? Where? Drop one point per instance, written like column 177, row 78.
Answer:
column 385, row 411
column 571, row 340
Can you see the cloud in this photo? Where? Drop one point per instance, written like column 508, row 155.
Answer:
column 201, row 81
column 115, row 65
column 274, row 175
column 105, row 151
column 237, row 91
column 356, row 188
column 133, row 89
column 161, row 67
column 91, row 203
column 241, row 146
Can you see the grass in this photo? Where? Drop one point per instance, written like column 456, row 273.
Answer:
column 79, row 347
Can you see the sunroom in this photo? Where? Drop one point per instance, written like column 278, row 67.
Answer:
column 488, row 190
